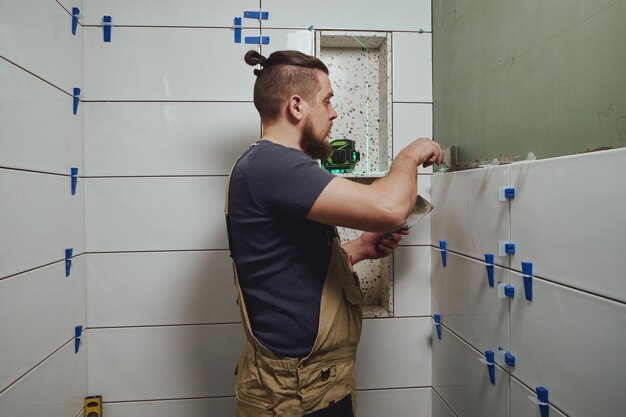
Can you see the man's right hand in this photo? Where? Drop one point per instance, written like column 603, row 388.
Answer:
column 425, row 151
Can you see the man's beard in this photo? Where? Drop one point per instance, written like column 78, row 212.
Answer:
column 314, row 146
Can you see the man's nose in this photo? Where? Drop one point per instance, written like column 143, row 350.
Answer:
column 333, row 113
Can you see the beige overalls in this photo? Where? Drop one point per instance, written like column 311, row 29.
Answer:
column 269, row 385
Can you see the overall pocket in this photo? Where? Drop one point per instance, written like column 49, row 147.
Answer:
column 350, row 281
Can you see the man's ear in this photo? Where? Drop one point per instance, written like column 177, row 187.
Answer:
column 295, row 107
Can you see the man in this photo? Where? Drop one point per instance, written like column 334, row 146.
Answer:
column 299, row 300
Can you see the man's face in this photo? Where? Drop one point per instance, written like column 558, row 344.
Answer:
column 319, row 121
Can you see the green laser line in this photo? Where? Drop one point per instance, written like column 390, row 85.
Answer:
column 367, row 106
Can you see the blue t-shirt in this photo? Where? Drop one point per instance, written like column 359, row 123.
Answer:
column 281, row 257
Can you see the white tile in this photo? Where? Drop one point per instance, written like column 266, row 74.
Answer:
column 141, row 289
column 468, row 215
column 37, row 35
column 205, row 407
column 570, row 342
column 126, row 214
column 56, row 388
column 420, row 233
column 394, row 353
column 394, row 403
column 440, row 409
column 522, row 406
column 297, row 40
column 412, row 67
column 40, row 310
column 35, row 115
column 133, row 139
column 164, row 362
column 411, row 121
column 166, row 64
column 467, row 304
column 365, row 15
column 39, row 220
column 568, row 219
column 463, row 381
column 167, row 13
column 411, row 281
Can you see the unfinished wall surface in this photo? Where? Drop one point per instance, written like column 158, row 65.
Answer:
column 514, row 77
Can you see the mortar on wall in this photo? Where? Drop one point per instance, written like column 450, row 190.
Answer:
column 359, row 65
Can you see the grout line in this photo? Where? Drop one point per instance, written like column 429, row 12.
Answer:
column 167, row 399
column 538, row 277
column 34, row 367
column 37, row 172
column 395, row 388
column 36, row 76
column 40, row 267
column 157, row 176
column 445, row 403
column 97, row 26
column 152, row 326
column 168, row 101
column 155, row 251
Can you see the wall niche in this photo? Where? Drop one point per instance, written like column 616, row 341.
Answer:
column 359, row 65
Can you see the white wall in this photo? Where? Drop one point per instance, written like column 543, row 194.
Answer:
column 165, row 109
column 567, row 218
column 40, row 140
column 168, row 108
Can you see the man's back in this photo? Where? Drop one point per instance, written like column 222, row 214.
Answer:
column 281, row 257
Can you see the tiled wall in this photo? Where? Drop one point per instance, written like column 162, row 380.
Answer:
column 567, row 218
column 165, row 109
column 40, row 140
column 168, row 108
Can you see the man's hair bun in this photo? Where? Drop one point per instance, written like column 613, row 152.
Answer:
column 254, row 58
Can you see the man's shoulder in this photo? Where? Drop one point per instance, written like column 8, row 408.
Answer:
column 266, row 157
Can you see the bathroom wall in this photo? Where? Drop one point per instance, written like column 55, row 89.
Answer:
column 568, row 332
column 41, row 139
column 167, row 109
column 514, row 77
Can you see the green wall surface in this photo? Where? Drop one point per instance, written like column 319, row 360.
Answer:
column 518, row 76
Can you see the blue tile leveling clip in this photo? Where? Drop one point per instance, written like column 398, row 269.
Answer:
column 75, row 13
column 444, row 252
column 438, row 325
column 68, row 261
column 106, row 28
column 527, row 271
column 490, row 267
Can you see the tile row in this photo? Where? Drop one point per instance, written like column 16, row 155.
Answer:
column 40, row 219
column 55, row 388
column 390, row 403
column 559, row 209
column 463, row 387
column 37, row 36
column 543, row 334
column 125, row 363
column 403, row 15
column 174, row 64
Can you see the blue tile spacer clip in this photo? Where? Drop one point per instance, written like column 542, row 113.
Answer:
column 74, row 178
column 106, row 28
column 490, row 268
column 257, row 40
column 68, row 261
column 491, row 366
column 78, row 330
column 509, row 359
column 260, row 15
column 438, row 325
column 542, row 396
column 443, row 246
column 509, row 248
column 237, row 28
column 75, row 13
column 527, row 271
column 76, row 100
column 509, row 291
column 509, row 193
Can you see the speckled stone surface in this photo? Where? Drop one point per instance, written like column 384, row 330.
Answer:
column 360, row 71
column 361, row 78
